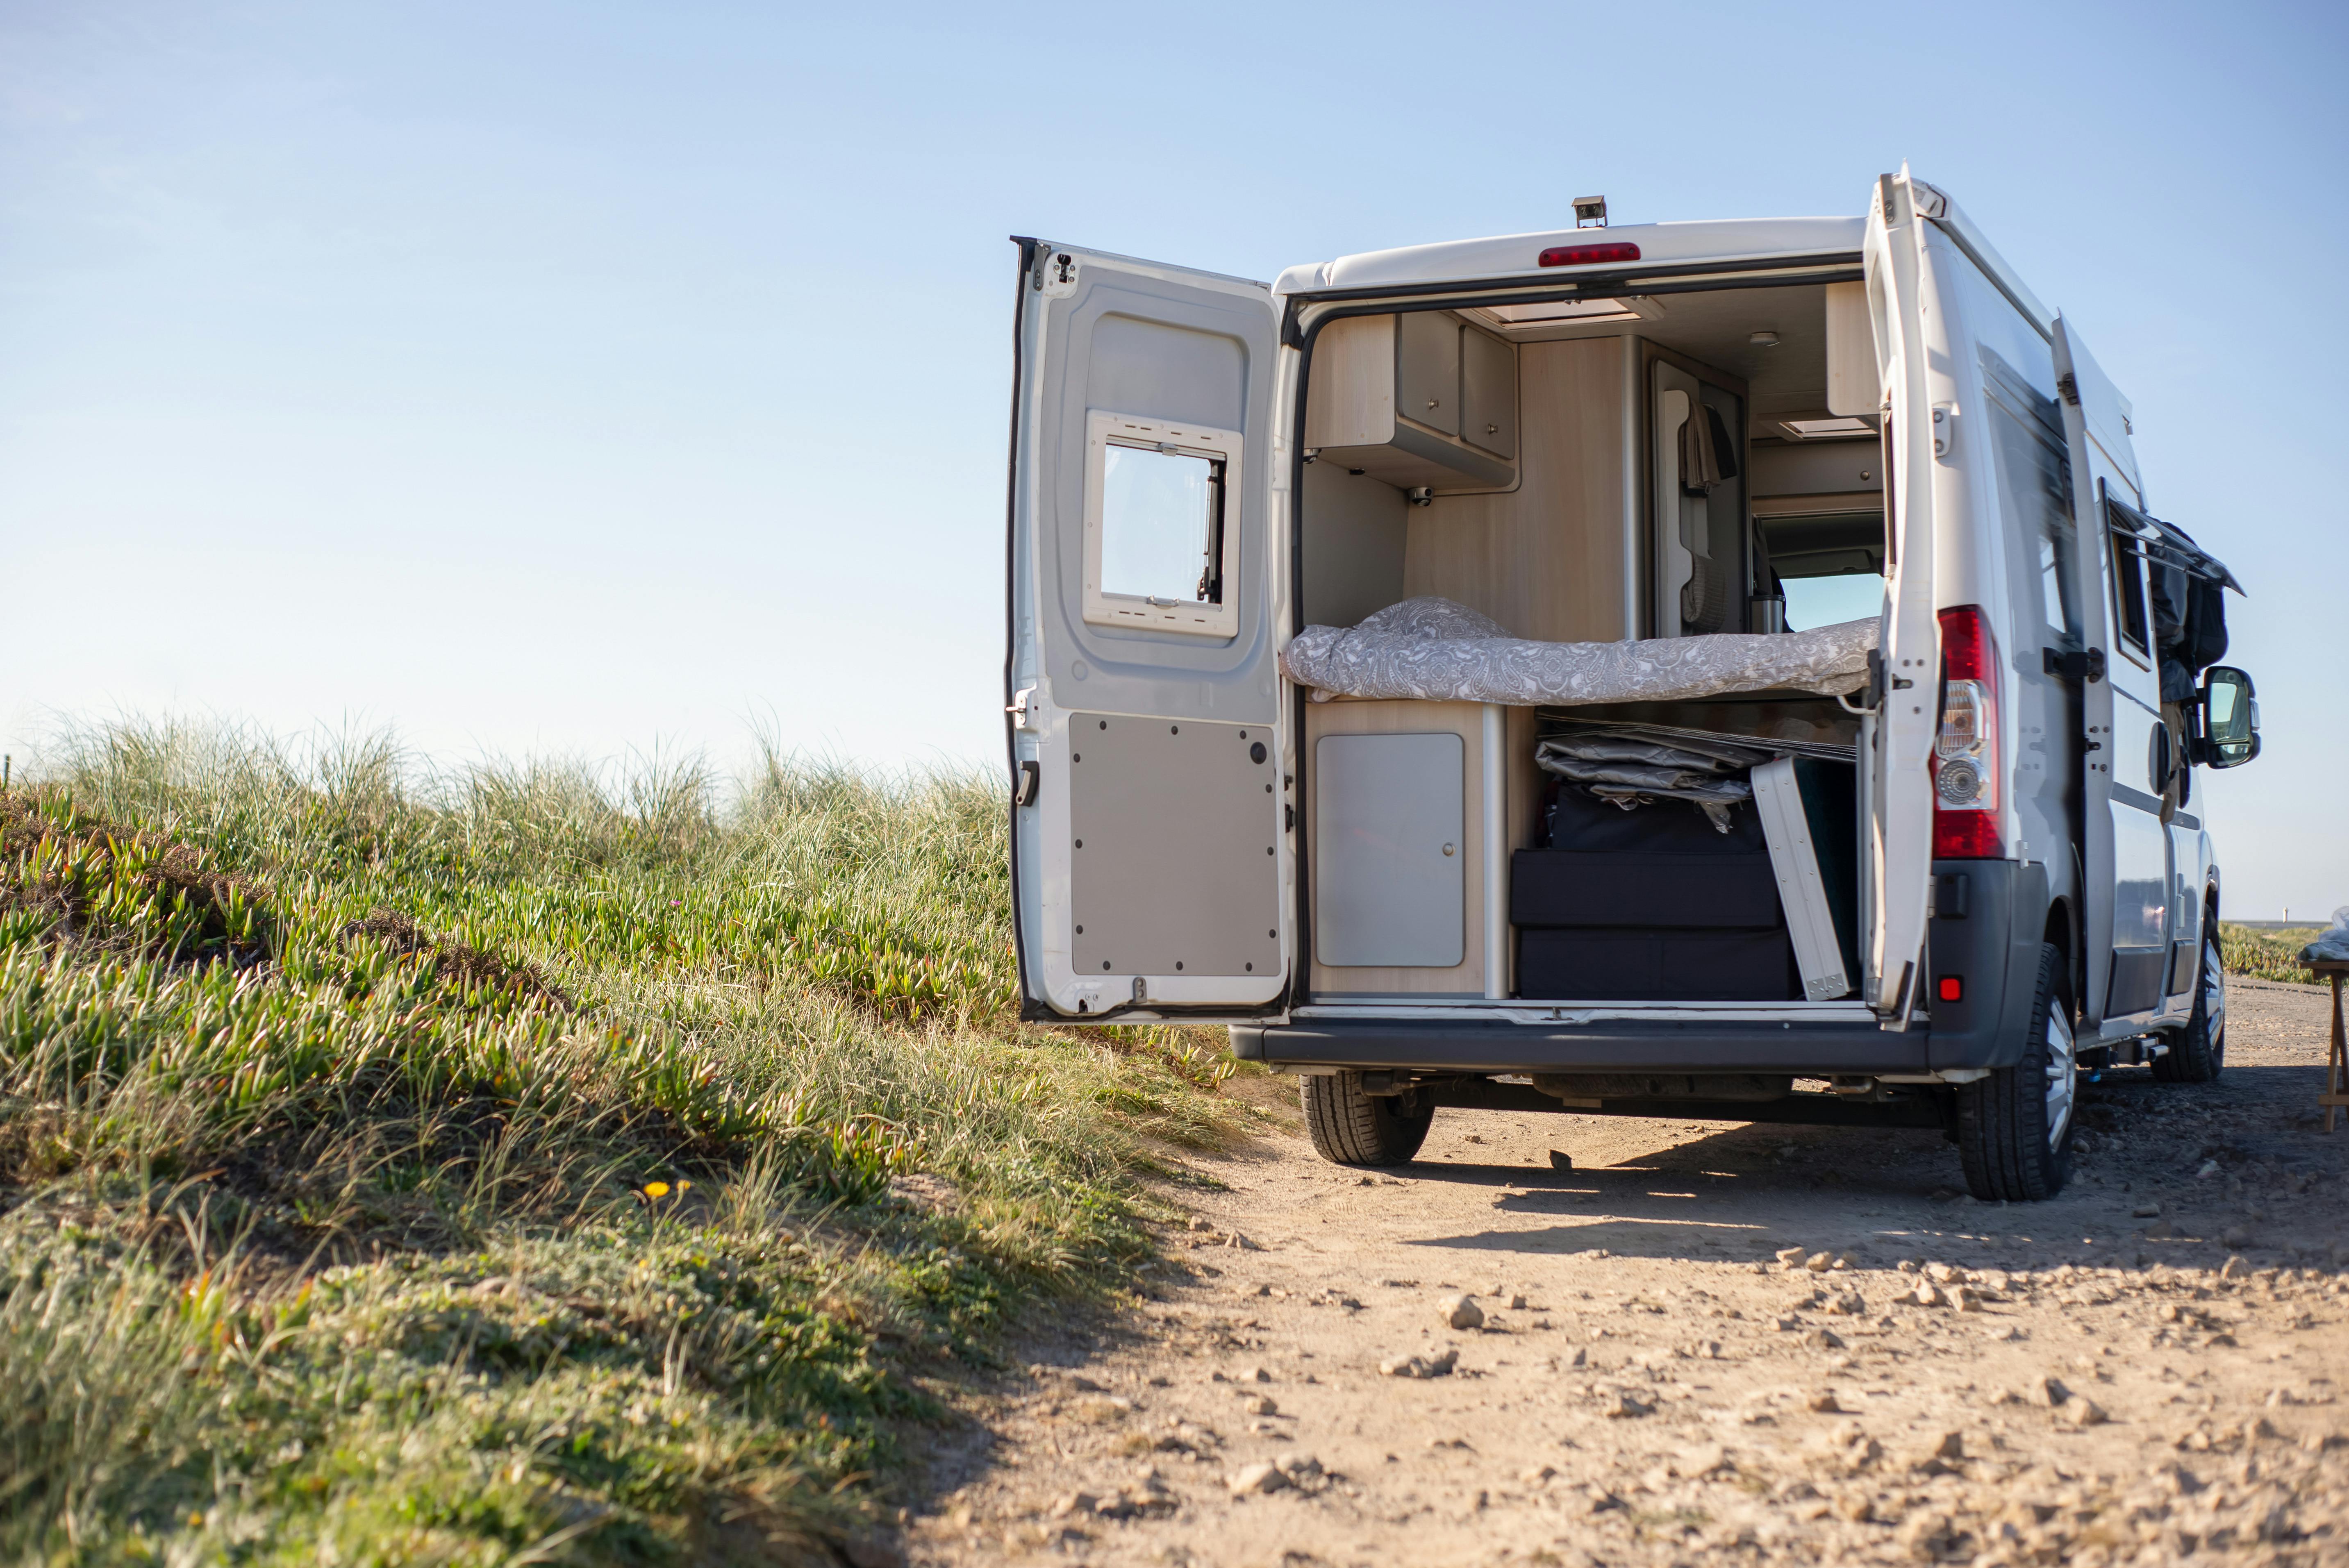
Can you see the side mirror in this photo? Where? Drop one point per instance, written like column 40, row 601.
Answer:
column 2229, row 715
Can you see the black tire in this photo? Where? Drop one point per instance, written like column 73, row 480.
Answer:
column 2014, row 1127
column 1350, row 1127
column 2198, row 1053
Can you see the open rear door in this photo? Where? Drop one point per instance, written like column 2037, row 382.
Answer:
column 1150, row 775
column 2124, row 871
column 1911, row 338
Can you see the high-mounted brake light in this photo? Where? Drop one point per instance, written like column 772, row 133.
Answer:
column 1590, row 255
column 1965, row 753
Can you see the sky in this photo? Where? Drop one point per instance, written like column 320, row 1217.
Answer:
column 598, row 380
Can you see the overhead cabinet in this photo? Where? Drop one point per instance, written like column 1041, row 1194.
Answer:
column 1420, row 399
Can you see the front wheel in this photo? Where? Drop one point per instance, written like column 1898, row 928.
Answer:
column 2198, row 1053
column 1351, row 1128
column 2014, row 1127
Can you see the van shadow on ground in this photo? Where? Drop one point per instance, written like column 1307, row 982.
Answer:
column 2228, row 1166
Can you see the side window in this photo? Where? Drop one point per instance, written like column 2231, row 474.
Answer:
column 1158, row 553
column 2034, row 490
column 2129, row 587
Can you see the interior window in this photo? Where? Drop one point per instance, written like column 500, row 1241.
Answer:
column 1815, row 602
column 2128, row 589
column 1162, row 525
column 1830, row 567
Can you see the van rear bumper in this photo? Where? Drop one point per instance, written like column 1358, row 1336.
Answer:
column 1806, row 1050
column 1990, row 918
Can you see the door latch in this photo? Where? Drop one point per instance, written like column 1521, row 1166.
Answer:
column 1025, row 711
column 2087, row 665
column 1027, row 785
column 1945, row 428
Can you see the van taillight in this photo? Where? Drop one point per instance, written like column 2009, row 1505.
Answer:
column 1965, row 752
column 1589, row 255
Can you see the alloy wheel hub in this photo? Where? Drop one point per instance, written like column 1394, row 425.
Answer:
column 2062, row 1080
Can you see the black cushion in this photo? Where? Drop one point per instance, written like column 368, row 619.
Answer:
column 1620, row 887
column 1650, row 965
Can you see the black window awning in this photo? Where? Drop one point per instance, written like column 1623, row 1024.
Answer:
column 2167, row 544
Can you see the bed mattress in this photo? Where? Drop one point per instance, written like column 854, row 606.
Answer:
column 1434, row 650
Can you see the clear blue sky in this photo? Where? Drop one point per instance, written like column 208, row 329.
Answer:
column 578, row 378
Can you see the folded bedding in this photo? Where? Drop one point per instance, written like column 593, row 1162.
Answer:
column 1434, row 650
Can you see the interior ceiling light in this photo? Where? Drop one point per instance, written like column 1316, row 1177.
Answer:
column 1577, row 310
column 1819, row 429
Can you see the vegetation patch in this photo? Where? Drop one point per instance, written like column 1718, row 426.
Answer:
column 66, row 875
column 521, row 1164
column 2266, row 954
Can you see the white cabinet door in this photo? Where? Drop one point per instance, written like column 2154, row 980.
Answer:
column 1390, row 851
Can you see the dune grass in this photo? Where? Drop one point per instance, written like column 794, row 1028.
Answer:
column 2266, row 954
column 520, row 1163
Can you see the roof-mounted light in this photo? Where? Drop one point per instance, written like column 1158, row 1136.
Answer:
column 1590, row 255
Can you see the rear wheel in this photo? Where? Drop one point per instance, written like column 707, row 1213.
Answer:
column 2014, row 1127
column 1351, row 1128
column 2198, row 1053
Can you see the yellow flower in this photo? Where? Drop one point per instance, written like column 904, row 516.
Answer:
column 683, row 1185
column 655, row 1188
column 195, row 1522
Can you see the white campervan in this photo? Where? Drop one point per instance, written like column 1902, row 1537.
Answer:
column 1711, row 669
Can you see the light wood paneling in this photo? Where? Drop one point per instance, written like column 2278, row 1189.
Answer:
column 1546, row 560
column 1386, row 399
column 1350, row 401
column 1464, row 719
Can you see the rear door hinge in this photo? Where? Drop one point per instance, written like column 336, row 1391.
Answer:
column 2088, row 664
column 1056, row 273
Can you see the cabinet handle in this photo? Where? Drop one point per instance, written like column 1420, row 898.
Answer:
column 1492, row 429
column 1432, row 402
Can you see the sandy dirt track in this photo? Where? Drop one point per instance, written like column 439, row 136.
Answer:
column 1660, row 1376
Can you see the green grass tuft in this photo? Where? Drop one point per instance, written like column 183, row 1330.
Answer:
column 2266, row 954
column 520, row 1164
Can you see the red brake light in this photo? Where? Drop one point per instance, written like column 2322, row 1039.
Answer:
column 1589, row 255
column 1953, row 989
column 1965, row 752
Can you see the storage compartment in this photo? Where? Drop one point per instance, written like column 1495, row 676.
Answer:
column 1418, row 401
column 1389, row 884
column 1586, row 472
column 1388, row 788
column 1652, row 903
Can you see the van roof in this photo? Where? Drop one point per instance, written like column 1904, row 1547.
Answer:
column 1505, row 255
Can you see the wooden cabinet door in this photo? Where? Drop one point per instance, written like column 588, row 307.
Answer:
column 1488, row 393
column 1427, row 369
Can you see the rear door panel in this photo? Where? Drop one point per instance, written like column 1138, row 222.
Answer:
column 1155, row 742
column 1911, row 338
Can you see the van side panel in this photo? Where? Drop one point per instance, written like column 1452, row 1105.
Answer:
column 2027, row 506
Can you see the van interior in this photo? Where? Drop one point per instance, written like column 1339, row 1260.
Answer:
column 1589, row 470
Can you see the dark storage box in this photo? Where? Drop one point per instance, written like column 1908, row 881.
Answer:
column 1656, row 965
column 1652, row 904
column 1621, row 887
